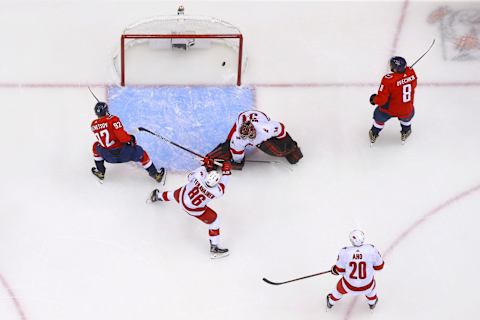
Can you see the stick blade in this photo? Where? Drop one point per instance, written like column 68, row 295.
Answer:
column 270, row 282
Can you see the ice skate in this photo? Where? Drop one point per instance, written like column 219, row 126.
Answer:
column 373, row 137
column 216, row 252
column 159, row 175
column 372, row 306
column 405, row 135
column 97, row 173
column 329, row 305
column 154, row 196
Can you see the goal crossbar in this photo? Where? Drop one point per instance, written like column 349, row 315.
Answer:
column 181, row 36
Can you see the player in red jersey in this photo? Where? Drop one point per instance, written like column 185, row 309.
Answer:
column 115, row 145
column 395, row 98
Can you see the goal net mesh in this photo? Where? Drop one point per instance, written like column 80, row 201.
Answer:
column 180, row 49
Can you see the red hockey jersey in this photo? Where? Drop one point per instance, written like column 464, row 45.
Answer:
column 396, row 93
column 109, row 132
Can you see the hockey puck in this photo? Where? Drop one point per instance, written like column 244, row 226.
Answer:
column 223, row 64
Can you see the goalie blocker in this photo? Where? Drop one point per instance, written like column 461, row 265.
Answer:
column 256, row 129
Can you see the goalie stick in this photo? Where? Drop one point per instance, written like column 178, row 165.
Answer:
column 433, row 42
column 305, row 277
column 176, row 144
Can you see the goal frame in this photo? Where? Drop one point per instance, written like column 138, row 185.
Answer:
column 124, row 37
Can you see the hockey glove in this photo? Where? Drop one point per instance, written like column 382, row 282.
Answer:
column 372, row 98
column 334, row 270
column 208, row 163
column 133, row 140
column 226, row 168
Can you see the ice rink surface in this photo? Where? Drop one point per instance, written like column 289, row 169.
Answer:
column 73, row 249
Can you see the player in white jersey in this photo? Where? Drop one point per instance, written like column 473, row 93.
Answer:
column 357, row 265
column 204, row 185
column 254, row 128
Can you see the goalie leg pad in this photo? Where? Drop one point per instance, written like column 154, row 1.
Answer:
column 222, row 151
column 238, row 165
column 285, row 147
column 294, row 156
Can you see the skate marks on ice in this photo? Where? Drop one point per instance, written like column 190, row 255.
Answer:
column 13, row 298
column 426, row 217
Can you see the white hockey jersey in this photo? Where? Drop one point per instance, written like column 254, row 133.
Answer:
column 264, row 127
column 195, row 196
column 358, row 265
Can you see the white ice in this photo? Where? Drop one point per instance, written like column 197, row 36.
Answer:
column 73, row 249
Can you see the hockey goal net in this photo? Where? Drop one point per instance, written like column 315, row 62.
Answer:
column 171, row 49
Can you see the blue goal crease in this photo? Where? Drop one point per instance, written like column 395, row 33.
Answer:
column 197, row 118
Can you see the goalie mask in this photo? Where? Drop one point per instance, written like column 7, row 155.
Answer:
column 247, row 130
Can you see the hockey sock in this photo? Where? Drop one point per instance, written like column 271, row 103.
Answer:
column 152, row 170
column 405, row 129
column 214, row 236
column 375, row 130
column 100, row 166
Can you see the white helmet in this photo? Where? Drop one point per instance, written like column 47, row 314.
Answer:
column 212, row 178
column 357, row 238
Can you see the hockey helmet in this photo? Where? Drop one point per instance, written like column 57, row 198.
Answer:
column 357, row 238
column 398, row 64
column 247, row 130
column 101, row 109
column 212, row 179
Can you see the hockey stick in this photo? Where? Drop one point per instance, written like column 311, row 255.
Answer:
column 279, row 283
column 176, row 144
column 263, row 161
column 93, row 94
column 433, row 42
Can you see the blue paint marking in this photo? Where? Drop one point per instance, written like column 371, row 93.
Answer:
column 198, row 118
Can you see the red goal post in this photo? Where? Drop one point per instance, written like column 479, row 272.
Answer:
column 188, row 28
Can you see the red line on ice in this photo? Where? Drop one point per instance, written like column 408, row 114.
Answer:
column 438, row 209
column 254, row 85
column 12, row 296
column 399, row 27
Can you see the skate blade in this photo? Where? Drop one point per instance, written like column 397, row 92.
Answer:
column 98, row 179
column 218, row 255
